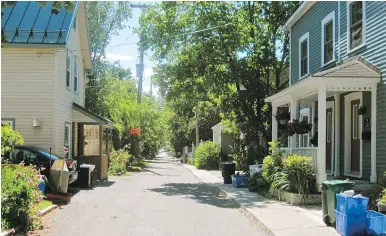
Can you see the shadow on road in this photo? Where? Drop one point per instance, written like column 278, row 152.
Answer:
column 200, row 192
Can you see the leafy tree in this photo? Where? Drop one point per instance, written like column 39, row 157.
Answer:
column 9, row 138
column 104, row 19
column 210, row 51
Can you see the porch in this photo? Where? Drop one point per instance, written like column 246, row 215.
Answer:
column 340, row 103
column 92, row 140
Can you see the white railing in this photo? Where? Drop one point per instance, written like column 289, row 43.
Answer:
column 306, row 151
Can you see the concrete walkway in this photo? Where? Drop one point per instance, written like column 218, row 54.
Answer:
column 280, row 218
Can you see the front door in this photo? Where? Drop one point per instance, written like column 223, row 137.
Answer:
column 355, row 139
column 329, row 136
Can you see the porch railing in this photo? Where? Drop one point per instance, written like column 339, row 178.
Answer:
column 306, row 151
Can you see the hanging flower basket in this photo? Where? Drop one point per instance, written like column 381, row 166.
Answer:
column 296, row 127
column 282, row 116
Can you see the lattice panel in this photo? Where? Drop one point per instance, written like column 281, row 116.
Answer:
column 344, row 87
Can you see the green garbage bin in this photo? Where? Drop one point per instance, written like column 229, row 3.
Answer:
column 329, row 190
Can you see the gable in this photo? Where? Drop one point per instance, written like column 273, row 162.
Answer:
column 31, row 23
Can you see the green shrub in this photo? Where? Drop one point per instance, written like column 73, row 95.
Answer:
column 118, row 162
column 257, row 183
column 207, row 156
column 9, row 138
column 19, row 196
column 274, row 162
column 300, row 174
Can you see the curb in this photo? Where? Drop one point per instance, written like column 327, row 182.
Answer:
column 11, row 231
column 19, row 228
column 244, row 210
column 47, row 210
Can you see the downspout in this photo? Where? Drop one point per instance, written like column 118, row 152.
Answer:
column 338, row 31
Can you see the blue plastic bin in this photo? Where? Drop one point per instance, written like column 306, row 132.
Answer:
column 42, row 187
column 375, row 223
column 240, row 181
column 350, row 225
column 351, row 205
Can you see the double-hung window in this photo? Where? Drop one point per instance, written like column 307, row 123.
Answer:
column 328, row 38
column 68, row 69
column 305, row 115
column 356, row 24
column 76, row 74
column 304, row 55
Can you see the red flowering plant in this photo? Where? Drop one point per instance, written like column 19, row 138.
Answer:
column 136, row 132
column 19, row 196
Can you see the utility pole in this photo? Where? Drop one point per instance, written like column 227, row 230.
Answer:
column 139, row 69
column 140, row 66
column 197, row 131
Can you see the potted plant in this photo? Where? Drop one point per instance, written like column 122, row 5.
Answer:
column 282, row 116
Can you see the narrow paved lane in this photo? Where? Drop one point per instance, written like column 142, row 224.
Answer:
column 166, row 199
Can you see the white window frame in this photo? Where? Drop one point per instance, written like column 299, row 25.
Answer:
column 305, row 36
column 69, row 56
column 327, row 19
column 76, row 74
column 348, row 8
column 304, row 112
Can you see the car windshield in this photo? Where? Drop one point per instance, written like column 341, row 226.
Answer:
column 47, row 152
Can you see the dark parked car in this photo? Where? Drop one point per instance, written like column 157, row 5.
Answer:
column 40, row 157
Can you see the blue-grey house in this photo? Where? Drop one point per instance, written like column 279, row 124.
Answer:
column 338, row 83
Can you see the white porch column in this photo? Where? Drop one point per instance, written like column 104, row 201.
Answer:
column 274, row 122
column 337, row 134
column 373, row 177
column 321, row 167
column 294, row 106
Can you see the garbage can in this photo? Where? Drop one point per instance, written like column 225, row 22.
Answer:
column 228, row 169
column 333, row 187
column 85, row 175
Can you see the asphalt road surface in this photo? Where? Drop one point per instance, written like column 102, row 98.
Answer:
column 164, row 199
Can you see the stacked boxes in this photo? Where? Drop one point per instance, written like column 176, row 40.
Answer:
column 351, row 215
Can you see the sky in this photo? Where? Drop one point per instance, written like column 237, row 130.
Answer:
column 123, row 47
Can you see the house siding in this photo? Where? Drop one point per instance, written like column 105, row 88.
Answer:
column 65, row 97
column 375, row 53
column 311, row 22
column 27, row 79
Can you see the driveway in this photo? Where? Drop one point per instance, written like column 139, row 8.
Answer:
column 165, row 199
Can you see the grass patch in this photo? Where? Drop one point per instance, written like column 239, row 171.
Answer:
column 44, row 204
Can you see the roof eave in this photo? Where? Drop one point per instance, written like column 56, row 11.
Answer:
column 304, row 7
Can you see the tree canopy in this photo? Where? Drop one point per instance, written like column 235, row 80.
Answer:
column 230, row 54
